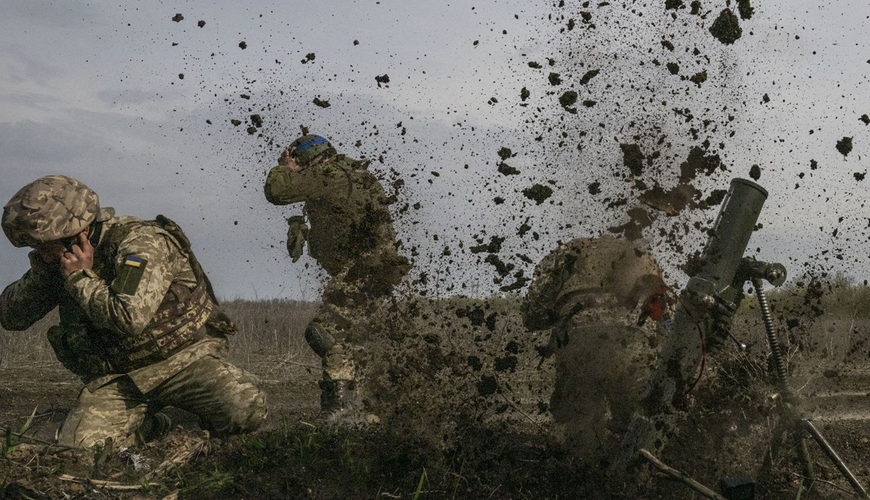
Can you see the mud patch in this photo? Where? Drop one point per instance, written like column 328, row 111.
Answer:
column 633, row 229
column 844, row 146
column 538, row 192
column 726, row 27
column 632, row 158
column 745, row 9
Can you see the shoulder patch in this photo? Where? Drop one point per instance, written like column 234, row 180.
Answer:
column 127, row 280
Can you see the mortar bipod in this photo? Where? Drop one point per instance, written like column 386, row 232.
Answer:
column 793, row 418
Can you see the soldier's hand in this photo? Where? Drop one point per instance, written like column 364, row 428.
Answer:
column 80, row 257
column 297, row 233
column 285, row 158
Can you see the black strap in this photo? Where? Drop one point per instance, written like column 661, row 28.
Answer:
column 94, row 232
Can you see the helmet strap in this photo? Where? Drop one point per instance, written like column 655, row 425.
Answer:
column 94, row 232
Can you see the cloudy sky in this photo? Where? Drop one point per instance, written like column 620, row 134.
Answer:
column 139, row 107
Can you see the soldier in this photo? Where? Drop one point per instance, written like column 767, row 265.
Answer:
column 605, row 301
column 351, row 236
column 139, row 322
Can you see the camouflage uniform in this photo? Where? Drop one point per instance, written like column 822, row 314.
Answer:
column 593, row 293
column 352, row 238
column 142, row 329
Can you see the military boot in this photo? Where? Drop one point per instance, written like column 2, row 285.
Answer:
column 337, row 397
column 155, row 427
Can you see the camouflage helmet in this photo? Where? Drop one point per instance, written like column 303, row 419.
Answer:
column 308, row 147
column 47, row 209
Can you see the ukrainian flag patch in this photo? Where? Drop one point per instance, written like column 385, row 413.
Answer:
column 133, row 261
column 129, row 275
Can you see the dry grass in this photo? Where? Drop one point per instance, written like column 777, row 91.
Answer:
column 443, row 350
column 270, row 331
column 30, row 347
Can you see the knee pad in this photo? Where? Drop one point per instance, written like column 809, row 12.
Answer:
column 319, row 339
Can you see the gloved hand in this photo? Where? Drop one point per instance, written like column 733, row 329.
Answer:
column 285, row 157
column 714, row 312
column 297, row 234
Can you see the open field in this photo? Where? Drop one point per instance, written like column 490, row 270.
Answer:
column 462, row 398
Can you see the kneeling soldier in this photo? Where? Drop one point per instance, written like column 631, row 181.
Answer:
column 139, row 321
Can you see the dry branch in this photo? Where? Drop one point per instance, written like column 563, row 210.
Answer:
column 183, row 454
column 681, row 477
column 111, row 485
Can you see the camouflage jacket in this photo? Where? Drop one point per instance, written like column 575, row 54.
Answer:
column 348, row 213
column 142, row 277
column 603, row 281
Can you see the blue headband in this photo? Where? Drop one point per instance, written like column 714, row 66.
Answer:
column 310, row 143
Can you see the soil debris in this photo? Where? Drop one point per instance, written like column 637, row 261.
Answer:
column 726, row 27
column 322, row 103
column 674, row 68
column 716, row 196
column 589, row 75
column 755, row 172
column 568, row 99
column 632, row 158
column 505, row 169
column 178, row 18
column 633, row 229
column 866, row 119
column 668, row 45
column 500, row 267
column 672, row 201
column 383, row 79
column 844, row 146
column 699, row 78
column 745, row 9
column 524, row 94
column 243, row 45
column 504, row 153
column 859, row 176
column 594, row 188
column 554, row 79
column 538, row 192
column 308, row 58
column 699, row 162
column 201, row 24
column 257, row 120
column 494, row 246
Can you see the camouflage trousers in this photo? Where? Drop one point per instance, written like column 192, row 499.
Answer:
column 601, row 373
column 226, row 399
column 345, row 318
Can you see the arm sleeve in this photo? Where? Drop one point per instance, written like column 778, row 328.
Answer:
column 144, row 268
column 30, row 298
column 539, row 307
column 284, row 186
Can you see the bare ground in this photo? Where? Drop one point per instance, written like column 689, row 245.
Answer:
column 456, row 427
